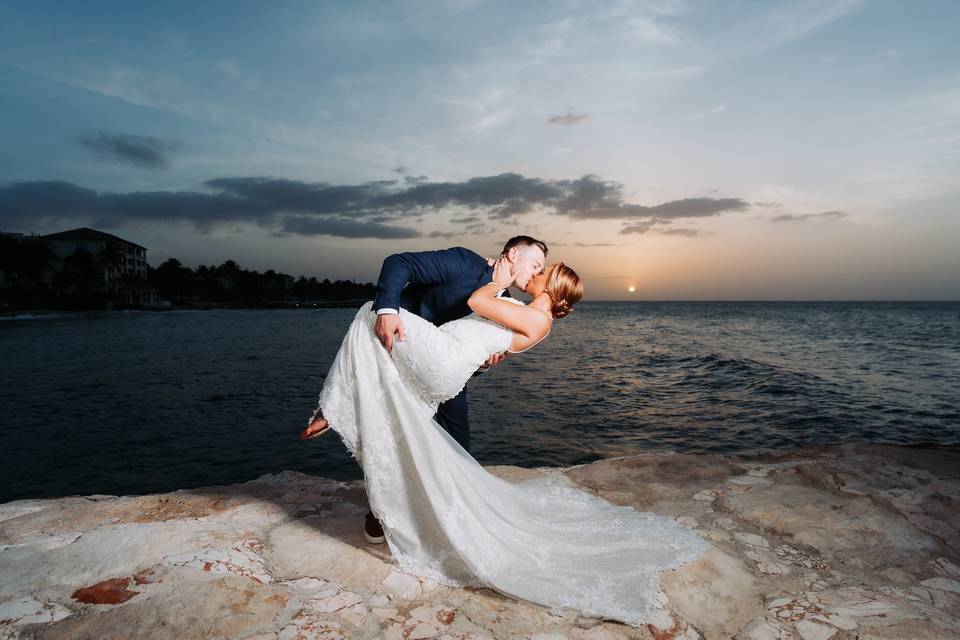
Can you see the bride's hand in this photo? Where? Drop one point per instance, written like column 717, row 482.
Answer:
column 503, row 273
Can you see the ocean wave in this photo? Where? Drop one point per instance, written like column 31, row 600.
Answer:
column 37, row 316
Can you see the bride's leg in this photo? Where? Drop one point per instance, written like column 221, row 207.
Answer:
column 318, row 425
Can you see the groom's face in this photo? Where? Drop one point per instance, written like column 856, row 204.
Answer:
column 527, row 262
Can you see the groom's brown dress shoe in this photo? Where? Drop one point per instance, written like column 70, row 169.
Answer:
column 372, row 531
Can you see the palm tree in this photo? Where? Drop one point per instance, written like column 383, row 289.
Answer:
column 109, row 259
column 80, row 272
column 35, row 256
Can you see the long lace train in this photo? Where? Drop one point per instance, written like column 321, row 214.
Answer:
column 445, row 517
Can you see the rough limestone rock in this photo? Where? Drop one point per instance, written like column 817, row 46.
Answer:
column 839, row 542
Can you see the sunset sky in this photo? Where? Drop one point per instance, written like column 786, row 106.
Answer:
column 691, row 150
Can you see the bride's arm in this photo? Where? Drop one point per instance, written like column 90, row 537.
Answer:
column 529, row 322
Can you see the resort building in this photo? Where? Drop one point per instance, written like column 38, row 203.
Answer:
column 129, row 258
column 116, row 258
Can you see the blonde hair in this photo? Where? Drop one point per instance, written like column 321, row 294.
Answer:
column 565, row 289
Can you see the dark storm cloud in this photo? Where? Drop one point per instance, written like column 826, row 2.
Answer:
column 568, row 119
column 493, row 194
column 503, row 199
column 28, row 205
column 303, row 197
column 25, row 204
column 343, row 227
column 141, row 151
column 788, row 217
column 508, row 195
column 591, row 198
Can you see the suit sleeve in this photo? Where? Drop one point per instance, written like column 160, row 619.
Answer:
column 426, row 267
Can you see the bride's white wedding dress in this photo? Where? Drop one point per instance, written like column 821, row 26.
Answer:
column 445, row 517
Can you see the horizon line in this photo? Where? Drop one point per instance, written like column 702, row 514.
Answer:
column 763, row 300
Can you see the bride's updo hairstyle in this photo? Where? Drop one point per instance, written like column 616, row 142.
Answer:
column 565, row 289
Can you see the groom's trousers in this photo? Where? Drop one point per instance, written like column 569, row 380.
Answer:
column 452, row 416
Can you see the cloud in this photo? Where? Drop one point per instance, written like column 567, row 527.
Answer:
column 320, row 198
column 508, row 195
column 229, row 67
column 785, row 23
column 484, row 108
column 787, row 217
column 141, row 151
column 720, row 108
column 476, row 229
column 585, row 244
column 687, row 233
column 636, row 228
column 567, row 119
column 589, row 198
column 669, row 231
column 343, row 227
column 645, row 29
column 49, row 203
column 348, row 210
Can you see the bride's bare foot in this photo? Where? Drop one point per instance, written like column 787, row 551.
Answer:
column 317, row 427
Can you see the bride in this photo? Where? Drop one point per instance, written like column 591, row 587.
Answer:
column 444, row 516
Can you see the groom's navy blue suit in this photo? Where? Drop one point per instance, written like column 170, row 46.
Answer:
column 436, row 285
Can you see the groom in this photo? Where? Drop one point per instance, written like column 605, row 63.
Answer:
column 436, row 286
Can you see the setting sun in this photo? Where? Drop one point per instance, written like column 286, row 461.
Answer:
column 631, row 288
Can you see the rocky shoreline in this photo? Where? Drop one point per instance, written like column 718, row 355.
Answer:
column 847, row 541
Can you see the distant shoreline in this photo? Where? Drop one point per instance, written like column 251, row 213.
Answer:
column 207, row 306
column 346, row 304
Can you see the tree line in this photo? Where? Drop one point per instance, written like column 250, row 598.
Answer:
column 32, row 275
column 229, row 282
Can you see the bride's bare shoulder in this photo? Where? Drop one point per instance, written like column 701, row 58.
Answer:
column 539, row 328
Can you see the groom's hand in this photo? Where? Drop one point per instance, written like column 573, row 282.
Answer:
column 387, row 326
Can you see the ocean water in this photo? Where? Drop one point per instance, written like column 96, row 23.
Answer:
column 129, row 402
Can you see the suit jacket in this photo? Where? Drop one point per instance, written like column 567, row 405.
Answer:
column 432, row 284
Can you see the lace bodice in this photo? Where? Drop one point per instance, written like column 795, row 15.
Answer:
column 437, row 364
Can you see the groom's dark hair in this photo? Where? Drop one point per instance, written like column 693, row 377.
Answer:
column 516, row 241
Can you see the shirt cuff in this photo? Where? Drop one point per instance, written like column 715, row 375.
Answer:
column 384, row 310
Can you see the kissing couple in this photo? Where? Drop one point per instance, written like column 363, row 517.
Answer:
column 396, row 395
